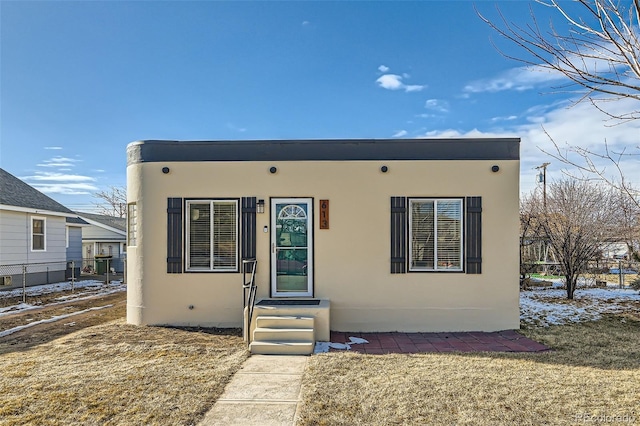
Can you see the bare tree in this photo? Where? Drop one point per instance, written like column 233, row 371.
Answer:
column 599, row 54
column 576, row 223
column 113, row 201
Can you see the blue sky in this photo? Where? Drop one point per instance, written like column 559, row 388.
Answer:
column 80, row 80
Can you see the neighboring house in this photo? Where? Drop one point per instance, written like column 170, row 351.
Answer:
column 105, row 236
column 37, row 235
column 371, row 235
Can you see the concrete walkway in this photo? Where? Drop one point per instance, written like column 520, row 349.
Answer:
column 265, row 391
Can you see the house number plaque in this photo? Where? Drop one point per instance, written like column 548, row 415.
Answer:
column 324, row 214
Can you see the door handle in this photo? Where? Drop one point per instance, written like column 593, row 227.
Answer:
column 273, row 247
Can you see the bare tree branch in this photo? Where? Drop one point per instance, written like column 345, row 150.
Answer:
column 585, row 164
column 114, row 201
column 600, row 54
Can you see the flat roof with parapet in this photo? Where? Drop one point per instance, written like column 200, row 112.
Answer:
column 153, row 151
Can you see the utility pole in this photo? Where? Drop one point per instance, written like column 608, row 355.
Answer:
column 542, row 177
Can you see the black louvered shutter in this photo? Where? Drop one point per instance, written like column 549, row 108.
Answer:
column 474, row 235
column 248, row 228
column 174, row 235
column 398, row 235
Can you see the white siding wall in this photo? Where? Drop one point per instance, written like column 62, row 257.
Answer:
column 94, row 232
column 15, row 239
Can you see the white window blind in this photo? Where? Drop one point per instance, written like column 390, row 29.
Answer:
column 212, row 235
column 435, row 230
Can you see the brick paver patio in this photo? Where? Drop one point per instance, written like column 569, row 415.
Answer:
column 407, row 343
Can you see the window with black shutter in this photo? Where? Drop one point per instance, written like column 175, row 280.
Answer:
column 174, row 235
column 474, row 235
column 398, row 235
column 248, row 228
column 436, row 235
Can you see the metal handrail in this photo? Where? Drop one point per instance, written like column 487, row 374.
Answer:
column 249, row 291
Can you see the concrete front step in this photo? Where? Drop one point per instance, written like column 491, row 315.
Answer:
column 272, row 321
column 281, row 348
column 283, row 335
column 269, row 334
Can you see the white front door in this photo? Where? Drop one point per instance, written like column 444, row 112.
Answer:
column 291, row 247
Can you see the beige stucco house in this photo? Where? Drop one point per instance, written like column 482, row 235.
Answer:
column 358, row 235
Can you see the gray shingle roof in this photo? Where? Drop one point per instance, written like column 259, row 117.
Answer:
column 112, row 221
column 76, row 221
column 14, row 192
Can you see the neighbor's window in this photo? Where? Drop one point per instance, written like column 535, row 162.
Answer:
column 435, row 234
column 212, row 235
column 37, row 233
column 132, row 223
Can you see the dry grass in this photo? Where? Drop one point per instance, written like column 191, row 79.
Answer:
column 116, row 373
column 594, row 369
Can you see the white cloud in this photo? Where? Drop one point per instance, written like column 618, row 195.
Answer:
column 52, row 147
column 508, row 118
column 61, row 183
column 58, row 177
column 474, row 133
column 236, row 128
column 519, row 79
column 390, row 82
column 305, row 23
column 413, row 88
column 66, row 188
column 59, row 161
column 399, row 134
column 383, row 68
column 394, row 82
column 581, row 125
column 437, row 105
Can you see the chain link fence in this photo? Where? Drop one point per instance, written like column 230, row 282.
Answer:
column 598, row 273
column 23, row 275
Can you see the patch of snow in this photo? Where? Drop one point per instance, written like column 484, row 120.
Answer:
column 115, row 287
column 322, row 347
column 551, row 307
column 20, row 307
column 52, row 319
column 38, row 290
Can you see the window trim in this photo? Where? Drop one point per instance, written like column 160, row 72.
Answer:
column 44, row 233
column 410, row 267
column 187, row 231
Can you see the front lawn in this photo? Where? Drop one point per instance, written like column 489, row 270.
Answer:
column 591, row 375
column 116, row 374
